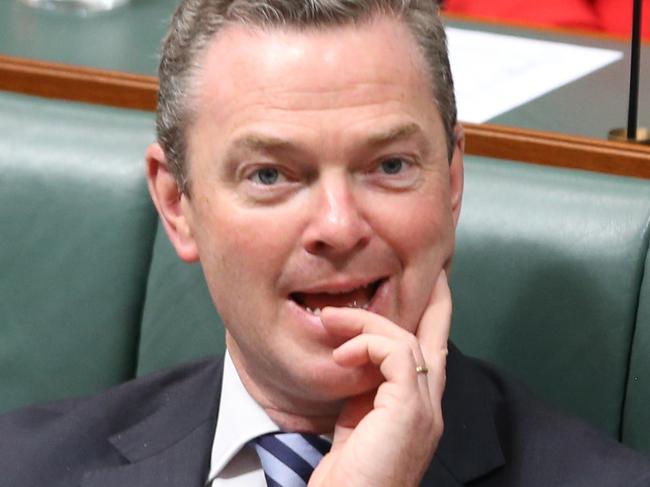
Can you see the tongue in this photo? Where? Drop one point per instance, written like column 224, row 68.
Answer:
column 357, row 298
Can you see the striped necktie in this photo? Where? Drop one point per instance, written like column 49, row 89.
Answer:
column 288, row 459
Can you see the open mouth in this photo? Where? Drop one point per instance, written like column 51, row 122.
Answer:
column 359, row 297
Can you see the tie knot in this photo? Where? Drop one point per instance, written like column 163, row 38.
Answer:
column 288, row 459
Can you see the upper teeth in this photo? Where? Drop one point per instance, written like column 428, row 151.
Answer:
column 354, row 304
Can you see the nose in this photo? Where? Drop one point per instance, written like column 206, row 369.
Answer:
column 336, row 225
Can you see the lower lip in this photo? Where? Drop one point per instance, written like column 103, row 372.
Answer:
column 303, row 315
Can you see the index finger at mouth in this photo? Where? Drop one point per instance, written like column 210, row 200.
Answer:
column 349, row 322
column 433, row 330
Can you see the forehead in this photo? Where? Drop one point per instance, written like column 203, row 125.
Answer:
column 294, row 64
column 326, row 91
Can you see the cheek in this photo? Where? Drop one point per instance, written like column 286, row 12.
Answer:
column 419, row 227
column 243, row 253
column 421, row 233
column 231, row 259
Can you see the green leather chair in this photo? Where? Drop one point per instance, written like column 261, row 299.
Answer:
column 75, row 243
column 635, row 424
column 548, row 280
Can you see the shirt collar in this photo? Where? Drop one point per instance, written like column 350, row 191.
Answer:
column 240, row 420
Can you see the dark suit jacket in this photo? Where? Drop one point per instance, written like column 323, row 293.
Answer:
column 158, row 431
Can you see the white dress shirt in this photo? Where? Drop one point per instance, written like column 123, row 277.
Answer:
column 234, row 462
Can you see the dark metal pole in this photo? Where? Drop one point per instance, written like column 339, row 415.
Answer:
column 633, row 107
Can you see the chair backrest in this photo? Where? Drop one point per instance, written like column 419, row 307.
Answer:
column 636, row 412
column 179, row 322
column 548, row 280
column 76, row 231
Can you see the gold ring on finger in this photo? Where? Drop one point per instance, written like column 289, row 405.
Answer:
column 421, row 369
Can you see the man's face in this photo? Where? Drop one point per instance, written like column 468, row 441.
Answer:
column 318, row 176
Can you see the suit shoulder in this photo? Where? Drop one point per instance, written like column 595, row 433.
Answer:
column 155, row 386
column 66, row 437
column 539, row 442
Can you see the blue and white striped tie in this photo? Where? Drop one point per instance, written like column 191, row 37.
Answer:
column 288, row 459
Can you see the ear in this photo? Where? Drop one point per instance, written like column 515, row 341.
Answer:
column 457, row 172
column 172, row 205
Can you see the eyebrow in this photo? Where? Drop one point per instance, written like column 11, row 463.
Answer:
column 393, row 134
column 261, row 143
column 269, row 144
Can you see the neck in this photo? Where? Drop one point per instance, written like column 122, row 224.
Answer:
column 292, row 422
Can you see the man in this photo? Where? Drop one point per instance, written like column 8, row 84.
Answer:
column 310, row 159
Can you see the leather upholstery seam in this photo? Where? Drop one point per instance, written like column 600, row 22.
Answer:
column 635, row 326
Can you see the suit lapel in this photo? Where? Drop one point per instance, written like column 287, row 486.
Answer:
column 171, row 446
column 470, row 446
column 184, row 464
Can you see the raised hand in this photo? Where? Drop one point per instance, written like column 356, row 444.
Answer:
column 387, row 437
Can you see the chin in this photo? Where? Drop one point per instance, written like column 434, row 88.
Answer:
column 327, row 381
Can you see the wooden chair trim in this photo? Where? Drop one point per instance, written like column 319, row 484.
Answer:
column 135, row 91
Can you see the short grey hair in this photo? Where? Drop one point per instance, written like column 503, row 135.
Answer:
column 196, row 22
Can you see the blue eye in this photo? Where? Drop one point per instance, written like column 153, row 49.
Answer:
column 394, row 165
column 266, row 176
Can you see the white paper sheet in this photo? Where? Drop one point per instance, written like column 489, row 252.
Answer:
column 494, row 73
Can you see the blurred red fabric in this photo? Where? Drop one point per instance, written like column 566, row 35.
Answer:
column 612, row 16
column 616, row 16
